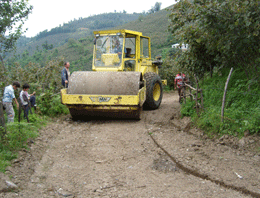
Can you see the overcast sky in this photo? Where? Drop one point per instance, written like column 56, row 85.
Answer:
column 48, row 14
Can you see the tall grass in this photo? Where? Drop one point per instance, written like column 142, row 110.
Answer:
column 242, row 106
column 16, row 137
column 19, row 134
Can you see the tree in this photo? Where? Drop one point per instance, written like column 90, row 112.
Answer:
column 155, row 8
column 221, row 34
column 13, row 13
column 72, row 42
column 140, row 18
column 46, row 46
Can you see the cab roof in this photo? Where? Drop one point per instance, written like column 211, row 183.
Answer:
column 122, row 31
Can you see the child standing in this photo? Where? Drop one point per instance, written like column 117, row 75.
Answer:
column 25, row 99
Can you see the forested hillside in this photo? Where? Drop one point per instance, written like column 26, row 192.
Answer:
column 78, row 28
column 73, row 41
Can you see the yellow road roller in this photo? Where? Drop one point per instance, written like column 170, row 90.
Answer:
column 123, row 79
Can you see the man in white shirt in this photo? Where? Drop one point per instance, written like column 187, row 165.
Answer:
column 7, row 100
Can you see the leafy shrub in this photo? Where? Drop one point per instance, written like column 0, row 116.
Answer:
column 166, row 88
column 50, row 104
column 188, row 108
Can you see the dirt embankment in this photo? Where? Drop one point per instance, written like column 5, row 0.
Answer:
column 160, row 156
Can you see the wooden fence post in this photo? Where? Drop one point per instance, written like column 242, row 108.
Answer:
column 184, row 94
column 224, row 96
column 190, row 95
column 197, row 94
column 201, row 99
column 2, row 120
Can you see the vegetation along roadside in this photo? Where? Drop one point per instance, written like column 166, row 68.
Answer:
column 217, row 42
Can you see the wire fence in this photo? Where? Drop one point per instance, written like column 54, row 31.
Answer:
column 197, row 96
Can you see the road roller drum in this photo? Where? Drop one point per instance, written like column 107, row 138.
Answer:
column 105, row 83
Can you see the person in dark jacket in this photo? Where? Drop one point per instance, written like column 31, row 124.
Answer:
column 65, row 73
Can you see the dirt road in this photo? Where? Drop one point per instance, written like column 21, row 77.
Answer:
column 160, row 156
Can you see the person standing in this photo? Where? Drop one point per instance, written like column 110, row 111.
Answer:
column 179, row 82
column 7, row 100
column 65, row 73
column 25, row 99
column 118, row 48
column 33, row 100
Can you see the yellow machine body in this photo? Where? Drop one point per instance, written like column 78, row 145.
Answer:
column 121, row 59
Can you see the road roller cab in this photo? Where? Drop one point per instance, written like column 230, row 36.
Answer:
column 122, row 50
column 124, row 78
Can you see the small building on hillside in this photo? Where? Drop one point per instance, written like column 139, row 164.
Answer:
column 183, row 47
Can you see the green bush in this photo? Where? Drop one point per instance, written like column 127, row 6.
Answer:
column 14, row 139
column 5, row 158
column 187, row 109
column 50, row 104
column 166, row 88
column 242, row 106
column 18, row 134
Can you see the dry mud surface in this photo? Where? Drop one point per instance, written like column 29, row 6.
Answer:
column 160, row 156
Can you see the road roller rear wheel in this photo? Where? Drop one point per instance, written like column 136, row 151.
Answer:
column 137, row 115
column 80, row 114
column 74, row 114
column 154, row 90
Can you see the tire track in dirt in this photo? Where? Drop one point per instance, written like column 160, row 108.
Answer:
column 186, row 169
column 203, row 176
column 111, row 158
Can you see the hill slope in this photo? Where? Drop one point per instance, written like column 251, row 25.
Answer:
column 74, row 29
column 76, row 45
